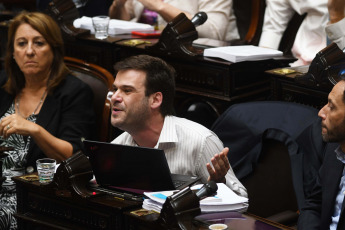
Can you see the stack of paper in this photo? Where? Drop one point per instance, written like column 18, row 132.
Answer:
column 115, row 26
column 242, row 53
column 224, row 200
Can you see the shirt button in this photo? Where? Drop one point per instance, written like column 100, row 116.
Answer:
column 30, row 169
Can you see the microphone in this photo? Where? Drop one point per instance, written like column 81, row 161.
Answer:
column 184, row 205
column 207, row 190
column 199, row 18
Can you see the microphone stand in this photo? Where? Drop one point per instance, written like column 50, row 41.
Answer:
column 176, row 39
column 179, row 210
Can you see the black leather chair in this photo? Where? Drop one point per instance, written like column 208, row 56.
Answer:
column 100, row 80
column 276, row 149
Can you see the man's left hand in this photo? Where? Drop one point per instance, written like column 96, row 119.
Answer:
column 220, row 168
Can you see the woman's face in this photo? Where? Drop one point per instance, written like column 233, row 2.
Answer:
column 32, row 52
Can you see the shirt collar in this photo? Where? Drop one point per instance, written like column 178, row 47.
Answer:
column 168, row 133
column 340, row 154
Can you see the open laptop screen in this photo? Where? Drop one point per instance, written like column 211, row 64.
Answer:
column 129, row 166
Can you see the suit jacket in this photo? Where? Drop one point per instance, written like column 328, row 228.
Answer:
column 244, row 126
column 319, row 207
column 66, row 114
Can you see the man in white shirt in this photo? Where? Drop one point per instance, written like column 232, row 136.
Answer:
column 142, row 105
column 336, row 27
column 311, row 36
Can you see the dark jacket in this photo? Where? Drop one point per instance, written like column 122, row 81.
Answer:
column 67, row 113
column 319, row 207
column 244, row 126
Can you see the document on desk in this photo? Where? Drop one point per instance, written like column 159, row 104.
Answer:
column 224, row 200
column 242, row 53
column 115, row 26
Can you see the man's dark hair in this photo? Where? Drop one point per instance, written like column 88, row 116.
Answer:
column 160, row 77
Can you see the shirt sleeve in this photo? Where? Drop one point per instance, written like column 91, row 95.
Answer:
column 220, row 20
column 211, row 146
column 336, row 33
column 277, row 15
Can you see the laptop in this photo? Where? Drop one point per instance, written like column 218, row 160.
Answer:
column 132, row 170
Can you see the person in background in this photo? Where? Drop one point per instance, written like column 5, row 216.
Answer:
column 89, row 8
column 220, row 25
column 44, row 110
column 142, row 106
column 336, row 27
column 323, row 209
column 311, row 36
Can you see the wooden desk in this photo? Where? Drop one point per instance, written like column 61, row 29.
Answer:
column 285, row 88
column 234, row 221
column 41, row 208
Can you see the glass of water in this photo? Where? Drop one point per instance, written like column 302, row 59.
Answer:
column 101, row 25
column 46, row 170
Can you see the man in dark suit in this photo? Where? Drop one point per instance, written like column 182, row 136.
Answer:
column 324, row 209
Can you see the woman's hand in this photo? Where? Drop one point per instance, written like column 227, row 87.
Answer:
column 16, row 124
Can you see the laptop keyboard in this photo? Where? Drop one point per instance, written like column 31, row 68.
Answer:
column 178, row 183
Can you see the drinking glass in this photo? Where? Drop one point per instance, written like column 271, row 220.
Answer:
column 101, row 24
column 46, row 170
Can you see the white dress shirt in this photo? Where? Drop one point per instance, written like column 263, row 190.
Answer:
column 221, row 22
column 336, row 33
column 188, row 146
column 311, row 36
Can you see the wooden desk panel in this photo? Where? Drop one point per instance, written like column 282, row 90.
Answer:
column 39, row 206
column 284, row 88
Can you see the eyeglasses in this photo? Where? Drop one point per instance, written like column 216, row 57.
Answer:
column 110, row 94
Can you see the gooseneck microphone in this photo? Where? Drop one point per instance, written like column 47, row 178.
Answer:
column 207, row 190
column 199, row 18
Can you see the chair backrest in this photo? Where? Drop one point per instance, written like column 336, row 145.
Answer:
column 270, row 185
column 100, row 81
column 276, row 148
column 249, row 19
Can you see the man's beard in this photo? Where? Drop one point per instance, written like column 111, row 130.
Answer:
column 335, row 135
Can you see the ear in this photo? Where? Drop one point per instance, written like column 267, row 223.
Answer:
column 156, row 100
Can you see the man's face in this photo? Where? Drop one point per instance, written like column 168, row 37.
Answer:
column 130, row 106
column 333, row 115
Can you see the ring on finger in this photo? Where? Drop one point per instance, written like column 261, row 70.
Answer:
column 8, row 127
